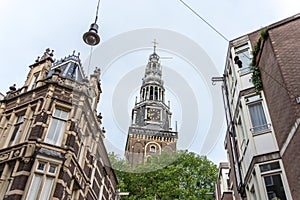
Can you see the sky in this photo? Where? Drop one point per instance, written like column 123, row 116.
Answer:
column 127, row 28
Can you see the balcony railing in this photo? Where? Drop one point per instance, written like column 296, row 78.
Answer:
column 260, row 129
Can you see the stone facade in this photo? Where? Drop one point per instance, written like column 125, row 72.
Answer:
column 51, row 136
column 263, row 136
column 222, row 187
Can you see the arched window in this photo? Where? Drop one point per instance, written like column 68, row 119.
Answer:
column 151, row 93
column 156, row 93
column 152, row 149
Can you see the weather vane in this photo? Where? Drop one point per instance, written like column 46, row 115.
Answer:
column 154, row 44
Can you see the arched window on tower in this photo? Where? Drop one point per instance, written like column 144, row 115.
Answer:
column 151, row 92
column 156, row 93
column 147, row 93
column 152, row 149
column 143, row 94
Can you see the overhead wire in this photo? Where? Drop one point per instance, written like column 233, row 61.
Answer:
column 90, row 59
column 205, row 21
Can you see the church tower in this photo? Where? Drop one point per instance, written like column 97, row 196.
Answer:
column 150, row 131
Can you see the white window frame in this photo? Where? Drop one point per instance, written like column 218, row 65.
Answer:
column 273, row 172
column 240, row 49
column 42, row 182
column 256, row 99
column 58, row 123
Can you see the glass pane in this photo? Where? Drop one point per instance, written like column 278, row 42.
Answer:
column 45, row 193
column 33, row 81
column 71, row 71
column 34, row 187
column 51, row 131
column 58, row 131
column 258, row 117
column 56, row 127
column 269, row 166
column 274, row 187
column 66, row 68
column 62, row 68
column 20, row 119
column 64, row 114
column 41, row 166
column 252, row 98
column 57, row 112
column 244, row 56
column 242, row 47
column 60, row 113
column 52, row 169
column 50, row 73
column 15, row 131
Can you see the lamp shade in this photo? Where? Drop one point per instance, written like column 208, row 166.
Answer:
column 91, row 37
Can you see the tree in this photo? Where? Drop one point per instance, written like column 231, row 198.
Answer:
column 180, row 175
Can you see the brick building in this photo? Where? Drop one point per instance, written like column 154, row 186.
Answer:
column 51, row 136
column 262, row 103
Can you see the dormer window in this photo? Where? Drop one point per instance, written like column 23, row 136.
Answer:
column 69, row 70
column 32, row 84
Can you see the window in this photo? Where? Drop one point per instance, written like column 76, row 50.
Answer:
column 243, row 58
column 257, row 114
column 269, row 166
column 274, row 187
column 28, row 125
column 6, row 177
column 70, row 70
column 57, row 126
column 152, row 149
column 16, row 129
column 4, row 127
column 42, row 181
column 32, row 84
column 272, row 179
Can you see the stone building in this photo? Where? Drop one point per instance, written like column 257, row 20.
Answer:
column 150, row 131
column 262, row 103
column 51, row 144
column 222, row 187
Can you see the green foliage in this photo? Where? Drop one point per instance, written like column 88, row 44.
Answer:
column 181, row 175
column 256, row 76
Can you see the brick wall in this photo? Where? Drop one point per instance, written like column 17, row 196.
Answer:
column 280, row 73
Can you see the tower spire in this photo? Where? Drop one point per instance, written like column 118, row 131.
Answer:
column 154, row 45
column 150, row 131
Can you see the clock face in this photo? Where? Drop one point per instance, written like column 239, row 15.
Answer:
column 153, row 114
